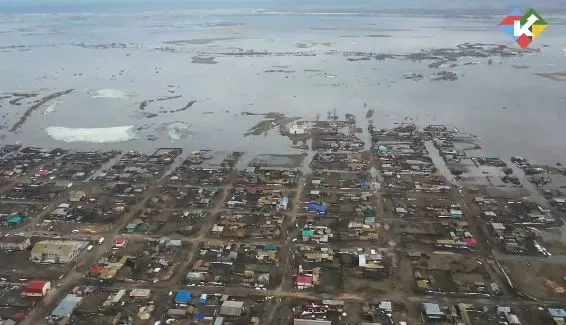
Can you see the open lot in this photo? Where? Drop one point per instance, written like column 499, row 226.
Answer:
column 341, row 161
column 342, row 180
column 453, row 274
column 235, row 264
column 259, row 199
column 171, row 221
column 12, row 302
column 249, row 225
column 537, row 279
column 140, row 261
column 17, row 265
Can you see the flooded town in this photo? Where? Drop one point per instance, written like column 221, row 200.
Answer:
column 260, row 162
column 405, row 225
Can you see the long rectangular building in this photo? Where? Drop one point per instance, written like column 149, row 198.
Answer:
column 56, row 251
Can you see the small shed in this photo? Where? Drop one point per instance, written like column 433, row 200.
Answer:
column 432, row 311
column 135, row 226
column 386, row 306
column 140, row 294
column 174, row 244
column 558, row 315
column 77, row 196
column 175, row 312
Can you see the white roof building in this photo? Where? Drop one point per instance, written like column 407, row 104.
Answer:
column 297, row 129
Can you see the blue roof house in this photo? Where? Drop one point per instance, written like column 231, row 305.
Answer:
column 66, row 307
column 316, row 207
column 183, row 297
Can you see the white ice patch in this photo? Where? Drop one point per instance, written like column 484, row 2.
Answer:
column 108, row 93
column 50, row 109
column 92, row 135
column 178, row 130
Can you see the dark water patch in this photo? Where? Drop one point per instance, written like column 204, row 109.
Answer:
column 555, row 76
column 200, row 41
column 203, row 60
column 19, row 97
column 520, row 66
column 281, row 161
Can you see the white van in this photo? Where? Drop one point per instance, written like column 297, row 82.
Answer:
column 89, row 248
column 101, row 240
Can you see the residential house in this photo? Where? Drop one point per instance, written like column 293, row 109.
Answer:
column 432, row 311
column 77, row 196
column 140, row 294
column 136, row 225
column 14, row 243
column 37, row 288
column 232, row 308
column 119, row 242
column 66, row 307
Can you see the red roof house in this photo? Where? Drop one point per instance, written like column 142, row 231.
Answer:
column 120, row 242
column 96, row 269
column 304, row 281
column 41, row 172
column 471, row 241
column 37, row 288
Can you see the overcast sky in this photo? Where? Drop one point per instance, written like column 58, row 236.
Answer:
column 385, row 4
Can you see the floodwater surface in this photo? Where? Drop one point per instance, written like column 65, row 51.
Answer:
column 298, row 63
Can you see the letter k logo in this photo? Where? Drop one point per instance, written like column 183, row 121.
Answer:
column 519, row 30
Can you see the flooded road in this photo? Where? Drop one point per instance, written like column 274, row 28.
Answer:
column 439, row 163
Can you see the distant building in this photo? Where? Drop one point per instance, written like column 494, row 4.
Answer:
column 37, row 288
column 14, row 243
column 56, row 251
column 297, row 129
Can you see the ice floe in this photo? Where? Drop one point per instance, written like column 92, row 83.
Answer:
column 108, row 93
column 176, row 131
column 50, row 109
column 92, row 135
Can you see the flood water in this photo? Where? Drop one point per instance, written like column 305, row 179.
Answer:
column 117, row 57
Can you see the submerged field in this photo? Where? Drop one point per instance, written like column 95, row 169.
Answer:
column 147, row 80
